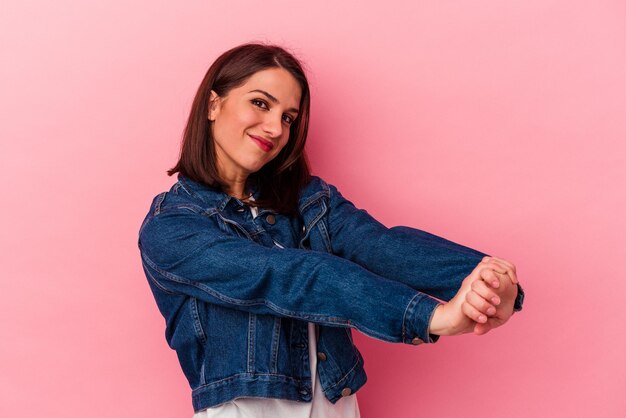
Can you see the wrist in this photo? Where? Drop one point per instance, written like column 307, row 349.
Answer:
column 438, row 323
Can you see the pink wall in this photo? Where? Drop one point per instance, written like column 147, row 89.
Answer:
column 500, row 125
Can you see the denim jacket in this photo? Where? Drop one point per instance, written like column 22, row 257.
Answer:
column 237, row 292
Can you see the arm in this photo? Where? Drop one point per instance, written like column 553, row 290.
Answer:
column 186, row 254
column 423, row 261
column 418, row 259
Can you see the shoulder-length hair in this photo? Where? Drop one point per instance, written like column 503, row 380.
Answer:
column 280, row 180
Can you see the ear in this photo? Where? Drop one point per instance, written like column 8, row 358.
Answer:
column 214, row 107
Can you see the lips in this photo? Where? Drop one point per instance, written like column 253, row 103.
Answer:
column 264, row 144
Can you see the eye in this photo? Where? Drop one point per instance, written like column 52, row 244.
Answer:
column 288, row 119
column 261, row 104
column 257, row 101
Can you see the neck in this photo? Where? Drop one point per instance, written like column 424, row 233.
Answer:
column 232, row 174
column 237, row 191
column 235, row 185
column 237, row 188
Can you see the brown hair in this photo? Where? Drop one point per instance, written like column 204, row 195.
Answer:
column 280, row 180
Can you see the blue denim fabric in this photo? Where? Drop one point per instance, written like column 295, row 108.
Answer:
column 237, row 293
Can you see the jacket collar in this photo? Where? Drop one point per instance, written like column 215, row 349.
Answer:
column 212, row 196
column 209, row 194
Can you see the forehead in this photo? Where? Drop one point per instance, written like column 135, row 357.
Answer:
column 276, row 81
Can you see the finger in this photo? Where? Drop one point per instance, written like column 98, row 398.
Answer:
column 480, row 287
column 493, row 265
column 490, row 277
column 503, row 261
column 489, row 265
column 510, row 267
column 472, row 313
column 502, row 276
column 491, row 262
column 482, row 329
column 480, row 304
column 511, row 271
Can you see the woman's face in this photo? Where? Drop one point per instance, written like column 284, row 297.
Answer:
column 251, row 123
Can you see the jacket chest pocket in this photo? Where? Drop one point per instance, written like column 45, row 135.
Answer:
column 231, row 227
column 315, row 230
column 269, row 230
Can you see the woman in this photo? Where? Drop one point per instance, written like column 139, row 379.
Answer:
column 261, row 270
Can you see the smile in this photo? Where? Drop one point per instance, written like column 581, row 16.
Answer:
column 262, row 143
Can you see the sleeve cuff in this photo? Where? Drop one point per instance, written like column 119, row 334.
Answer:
column 417, row 319
column 519, row 300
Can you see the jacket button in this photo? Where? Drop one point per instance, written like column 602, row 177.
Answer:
column 321, row 356
column 303, row 228
column 346, row 392
column 270, row 219
column 416, row 341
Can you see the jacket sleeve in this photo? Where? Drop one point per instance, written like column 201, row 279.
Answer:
column 186, row 253
column 421, row 260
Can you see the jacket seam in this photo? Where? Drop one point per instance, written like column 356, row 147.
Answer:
column 345, row 376
column 240, row 375
column 156, row 282
column 325, row 192
column 196, row 319
column 159, row 201
column 251, row 341
column 322, row 319
column 275, row 344
column 313, row 199
column 324, row 231
column 408, row 307
column 313, row 222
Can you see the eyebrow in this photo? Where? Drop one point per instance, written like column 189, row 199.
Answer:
column 274, row 99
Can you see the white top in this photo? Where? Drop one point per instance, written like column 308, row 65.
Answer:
column 319, row 407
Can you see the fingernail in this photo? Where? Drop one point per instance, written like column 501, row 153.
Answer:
column 495, row 300
column 491, row 311
column 482, row 318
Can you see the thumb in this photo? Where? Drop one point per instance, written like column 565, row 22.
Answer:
column 504, row 276
column 482, row 329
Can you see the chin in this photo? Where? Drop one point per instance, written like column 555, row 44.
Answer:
column 256, row 166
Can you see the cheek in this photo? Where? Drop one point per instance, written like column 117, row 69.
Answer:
column 282, row 145
column 231, row 124
column 246, row 117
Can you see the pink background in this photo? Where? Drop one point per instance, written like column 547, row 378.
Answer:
column 499, row 125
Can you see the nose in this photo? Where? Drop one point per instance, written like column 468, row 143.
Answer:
column 273, row 125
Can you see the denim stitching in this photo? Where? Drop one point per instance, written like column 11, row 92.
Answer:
column 159, row 200
column 324, row 232
column 241, row 228
column 327, row 320
column 408, row 308
column 275, row 344
column 251, row 341
column 314, row 221
column 156, row 282
column 355, row 365
column 197, row 325
column 240, row 375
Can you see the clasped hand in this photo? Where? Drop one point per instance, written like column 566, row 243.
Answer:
column 484, row 301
